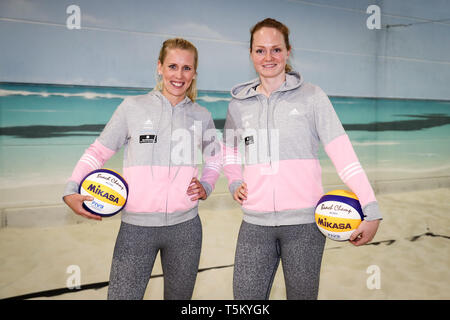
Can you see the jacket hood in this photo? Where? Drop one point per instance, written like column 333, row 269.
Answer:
column 247, row 89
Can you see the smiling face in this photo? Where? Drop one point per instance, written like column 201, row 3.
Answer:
column 177, row 71
column 269, row 53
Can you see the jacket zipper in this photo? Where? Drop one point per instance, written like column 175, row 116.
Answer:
column 170, row 161
column 269, row 149
column 275, row 96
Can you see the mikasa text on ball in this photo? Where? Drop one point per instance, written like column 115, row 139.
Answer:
column 109, row 189
column 338, row 214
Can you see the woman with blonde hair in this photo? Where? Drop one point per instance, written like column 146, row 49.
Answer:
column 161, row 214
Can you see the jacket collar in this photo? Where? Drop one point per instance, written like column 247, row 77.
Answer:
column 247, row 89
column 186, row 101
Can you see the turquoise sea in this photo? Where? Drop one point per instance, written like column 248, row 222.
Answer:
column 44, row 129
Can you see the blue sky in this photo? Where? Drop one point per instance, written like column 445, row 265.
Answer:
column 119, row 41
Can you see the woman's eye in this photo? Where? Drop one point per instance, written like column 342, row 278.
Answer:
column 187, row 68
column 277, row 50
column 172, row 66
column 259, row 51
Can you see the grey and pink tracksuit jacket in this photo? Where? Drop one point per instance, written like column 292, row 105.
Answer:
column 163, row 149
column 277, row 139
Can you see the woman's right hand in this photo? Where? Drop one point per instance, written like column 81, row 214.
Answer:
column 241, row 193
column 75, row 202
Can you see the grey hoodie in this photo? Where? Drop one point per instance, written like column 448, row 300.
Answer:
column 278, row 139
column 161, row 155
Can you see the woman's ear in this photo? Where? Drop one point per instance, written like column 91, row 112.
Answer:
column 159, row 68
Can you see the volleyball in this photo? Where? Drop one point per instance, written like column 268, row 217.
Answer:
column 338, row 213
column 109, row 189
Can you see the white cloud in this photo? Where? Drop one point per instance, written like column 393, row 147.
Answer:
column 194, row 29
column 91, row 20
column 22, row 9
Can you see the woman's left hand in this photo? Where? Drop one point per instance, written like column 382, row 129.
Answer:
column 196, row 189
column 364, row 233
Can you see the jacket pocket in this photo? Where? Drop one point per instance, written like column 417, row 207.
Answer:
column 260, row 188
column 177, row 198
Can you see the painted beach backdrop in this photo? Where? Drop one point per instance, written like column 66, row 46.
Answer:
column 44, row 129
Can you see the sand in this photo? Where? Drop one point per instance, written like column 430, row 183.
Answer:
column 410, row 251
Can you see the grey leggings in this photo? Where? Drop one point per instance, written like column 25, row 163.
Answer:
column 258, row 254
column 135, row 252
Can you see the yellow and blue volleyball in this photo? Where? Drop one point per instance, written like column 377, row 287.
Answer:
column 109, row 190
column 338, row 213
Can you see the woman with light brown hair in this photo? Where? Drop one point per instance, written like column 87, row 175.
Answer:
column 281, row 121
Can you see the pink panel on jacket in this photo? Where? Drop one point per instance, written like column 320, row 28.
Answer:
column 211, row 169
column 299, row 184
column 232, row 167
column 159, row 190
column 287, row 185
column 341, row 153
column 93, row 158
